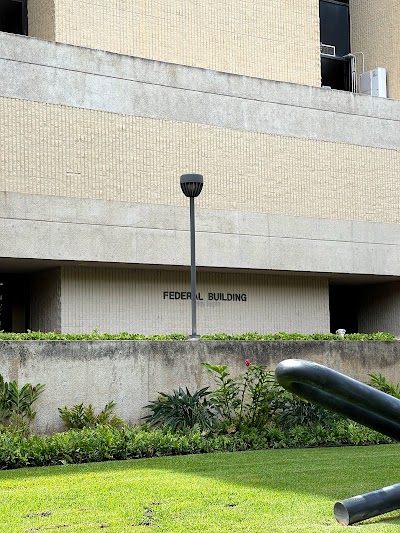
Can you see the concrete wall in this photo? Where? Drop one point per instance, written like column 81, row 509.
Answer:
column 274, row 40
column 132, row 373
column 375, row 32
column 61, row 229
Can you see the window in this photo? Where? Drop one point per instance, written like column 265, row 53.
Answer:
column 335, row 44
column 14, row 16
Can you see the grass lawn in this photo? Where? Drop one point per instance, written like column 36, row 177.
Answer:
column 272, row 490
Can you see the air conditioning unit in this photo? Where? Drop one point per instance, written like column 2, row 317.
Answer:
column 373, row 82
column 328, row 50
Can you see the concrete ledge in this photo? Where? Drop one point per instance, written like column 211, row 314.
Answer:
column 132, row 372
column 62, row 74
column 98, row 231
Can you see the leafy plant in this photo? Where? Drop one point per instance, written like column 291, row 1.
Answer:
column 83, row 416
column 380, row 382
column 291, row 411
column 183, row 410
column 255, row 400
column 16, row 403
column 245, row 400
column 261, row 393
column 227, row 397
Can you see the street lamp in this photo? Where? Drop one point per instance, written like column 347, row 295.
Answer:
column 192, row 185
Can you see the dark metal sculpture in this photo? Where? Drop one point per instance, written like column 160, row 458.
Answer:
column 359, row 402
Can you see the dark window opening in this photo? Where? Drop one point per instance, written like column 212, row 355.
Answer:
column 14, row 16
column 14, row 302
column 335, row 44
column 343, row 308
column 335, row 73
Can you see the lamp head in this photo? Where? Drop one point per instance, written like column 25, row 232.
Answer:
column 191, row 185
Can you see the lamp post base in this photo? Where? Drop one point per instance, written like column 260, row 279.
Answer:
column 194, row 338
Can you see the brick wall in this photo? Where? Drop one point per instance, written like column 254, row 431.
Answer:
column 65, row 151
column 116, row 300
column 375, row 32
column 265, row 39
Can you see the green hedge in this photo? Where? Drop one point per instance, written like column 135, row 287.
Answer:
column 106, row 443
column 124, row 336
column 380, row 336
column 94, row 336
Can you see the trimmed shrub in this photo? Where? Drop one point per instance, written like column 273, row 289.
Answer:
column 125, row 336
column 105, row 443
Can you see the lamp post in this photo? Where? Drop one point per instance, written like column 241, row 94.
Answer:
column 192, row 185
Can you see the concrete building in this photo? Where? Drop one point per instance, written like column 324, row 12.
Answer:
column 103, row 105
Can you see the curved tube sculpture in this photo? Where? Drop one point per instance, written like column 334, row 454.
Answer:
column 359, row 402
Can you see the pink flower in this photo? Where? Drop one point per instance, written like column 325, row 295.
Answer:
column 248, row 362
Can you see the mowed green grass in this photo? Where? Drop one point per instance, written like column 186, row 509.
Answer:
column 272, row 490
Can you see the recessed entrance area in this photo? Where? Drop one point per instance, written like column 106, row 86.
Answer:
column 14, row 302
column 344, row 307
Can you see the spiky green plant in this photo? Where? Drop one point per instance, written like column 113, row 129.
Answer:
column 183, row 410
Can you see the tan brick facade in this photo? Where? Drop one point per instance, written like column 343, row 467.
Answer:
column 146, row 301
column 42, row 20
column 265, row 39
column 375, row 32
column 66, row 151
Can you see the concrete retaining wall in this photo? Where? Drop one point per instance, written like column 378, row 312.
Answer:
column 132, row 372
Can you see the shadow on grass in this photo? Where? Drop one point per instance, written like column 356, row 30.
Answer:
column 380, row 520
column 330, row 472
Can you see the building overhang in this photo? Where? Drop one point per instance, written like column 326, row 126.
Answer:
column 46, row 231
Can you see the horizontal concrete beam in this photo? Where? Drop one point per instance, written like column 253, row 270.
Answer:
column 62, row 74
column 69, row 229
